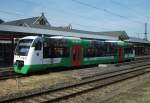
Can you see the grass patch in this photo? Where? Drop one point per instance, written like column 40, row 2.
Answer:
column 145, row 99
column 116, row 99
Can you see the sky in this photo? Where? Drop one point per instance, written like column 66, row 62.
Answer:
column 90, row 15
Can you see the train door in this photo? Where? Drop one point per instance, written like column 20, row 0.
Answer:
column 38, row 53
column 76, row 55
column 120, row 55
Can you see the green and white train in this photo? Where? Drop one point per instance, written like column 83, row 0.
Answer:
column 35, row 53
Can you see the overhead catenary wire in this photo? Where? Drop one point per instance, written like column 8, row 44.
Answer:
column 21, row 15
column 78, row 15
column 92, row 19
column 129, row 8
column 60, row 11
column 107, row 11
column 12, row 13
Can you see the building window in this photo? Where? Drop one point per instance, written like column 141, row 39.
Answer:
column 42, row 22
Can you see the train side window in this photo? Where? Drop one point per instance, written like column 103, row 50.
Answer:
column 47, row 52
column 90, row 52
column 128, row 50
column 38, row 45
column 104, row 49
column 55, row 52
column 60, row 52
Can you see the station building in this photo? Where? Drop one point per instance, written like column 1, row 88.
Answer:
column 11, row 31
column 141, row 46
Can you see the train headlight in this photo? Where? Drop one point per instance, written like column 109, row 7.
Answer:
column 19, row 63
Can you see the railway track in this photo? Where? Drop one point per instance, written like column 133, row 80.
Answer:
column 66, row 90
column 7, row 74
column 133, row 62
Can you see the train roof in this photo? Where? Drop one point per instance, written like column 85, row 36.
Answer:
column 30, row 37
column 64, row 37
column 115, row 41
column 122, row 43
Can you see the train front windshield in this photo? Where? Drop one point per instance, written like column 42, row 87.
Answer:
column 23, row 47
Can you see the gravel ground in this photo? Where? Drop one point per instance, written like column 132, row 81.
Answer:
column 35, row 81
column 52, row 78
column 140, row 94
column 81, row 74
column 27, row 83
column 102, row 95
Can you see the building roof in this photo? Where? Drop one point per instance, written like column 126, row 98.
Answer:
column 35, row 22
column 122, row 35
column 29, row 30
column 137, row 40
column 1, row 21
column 42, row 23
